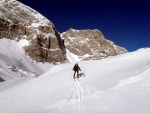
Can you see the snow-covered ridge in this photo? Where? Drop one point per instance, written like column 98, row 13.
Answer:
column 118, row 84
column 18, row 6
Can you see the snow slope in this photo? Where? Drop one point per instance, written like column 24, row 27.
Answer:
column 12, row 54
column 119, row 84
column 72, row 57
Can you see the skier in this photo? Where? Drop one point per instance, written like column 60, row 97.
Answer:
column 76, row 68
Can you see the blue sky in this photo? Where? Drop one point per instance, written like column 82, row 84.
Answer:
column 126, row 23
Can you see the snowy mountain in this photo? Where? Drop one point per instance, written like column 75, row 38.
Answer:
column 117, row 84
column 90, row 44
column 18, row 21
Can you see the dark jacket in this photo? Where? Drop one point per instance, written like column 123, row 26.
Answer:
column 76, row 67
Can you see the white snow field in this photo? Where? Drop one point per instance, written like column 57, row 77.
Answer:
column 118, row 84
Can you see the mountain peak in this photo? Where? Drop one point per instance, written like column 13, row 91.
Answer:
column 19, row 21
column 90, row 44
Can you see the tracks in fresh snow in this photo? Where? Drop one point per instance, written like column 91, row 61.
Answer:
column 82, row 99
column 79, row 92
column 78, row 98
column 76, row 101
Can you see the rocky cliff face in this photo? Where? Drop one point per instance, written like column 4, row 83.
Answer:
column 90, row 44
column 18, row 21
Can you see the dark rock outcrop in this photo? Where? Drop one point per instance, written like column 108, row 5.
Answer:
column 18, row 21
column 90, row 44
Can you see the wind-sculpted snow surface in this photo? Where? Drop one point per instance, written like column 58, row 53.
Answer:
column 118, row 84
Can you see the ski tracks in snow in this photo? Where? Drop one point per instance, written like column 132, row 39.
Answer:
column 76, row 104
column 79, row 92
column 76, row 100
